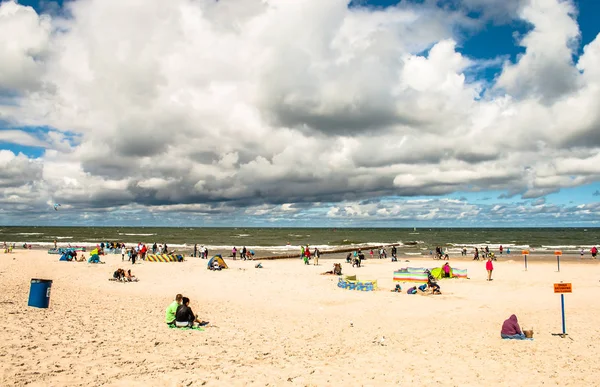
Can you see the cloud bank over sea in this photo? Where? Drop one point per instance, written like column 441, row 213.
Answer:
column 307, row 112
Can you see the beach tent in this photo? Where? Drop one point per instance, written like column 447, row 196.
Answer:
column 64, row 257
column 438, row 273
column 219, row 260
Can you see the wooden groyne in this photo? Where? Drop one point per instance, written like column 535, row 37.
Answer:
column 334, row 251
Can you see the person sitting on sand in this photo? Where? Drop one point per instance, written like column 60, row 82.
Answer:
column 349, row 258
column 511, row 329
column 356, row 262
column 337, row 268
column 172, row 310
column 130, row 277
column 185, row 317
column 435, row 288
column 119, row 274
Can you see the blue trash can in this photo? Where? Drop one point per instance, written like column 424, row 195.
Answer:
column 39, row 293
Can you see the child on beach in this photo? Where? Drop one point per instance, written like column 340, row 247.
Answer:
column 489, row 266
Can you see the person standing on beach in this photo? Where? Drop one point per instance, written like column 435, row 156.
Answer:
column 501, row 249
column 476, row 255
column 133, row 255
column 316, row 255
column 489, row 266
column 233, row 252
column 123, row 250
column 195, row 250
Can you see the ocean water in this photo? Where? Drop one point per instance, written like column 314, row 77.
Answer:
column 282, row 239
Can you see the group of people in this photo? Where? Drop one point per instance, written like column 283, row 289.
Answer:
column 8, row 248
column 124, row 276
column 306, row 255
column 431, row 286
column 440, row 253
column 179, row 314
column 201, row 252
column 244, row 253
column 355, row 258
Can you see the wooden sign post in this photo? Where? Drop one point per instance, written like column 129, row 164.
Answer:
column 525, row 254
column 558, row 254
column 562, row 289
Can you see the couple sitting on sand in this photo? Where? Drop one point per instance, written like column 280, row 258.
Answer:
column 179, row 314
column 121, row 275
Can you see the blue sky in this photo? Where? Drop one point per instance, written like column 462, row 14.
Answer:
column 73, row 146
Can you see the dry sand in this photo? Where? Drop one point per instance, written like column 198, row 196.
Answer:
column 287, row 325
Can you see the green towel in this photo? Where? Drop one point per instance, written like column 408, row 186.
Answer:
column 194, row 328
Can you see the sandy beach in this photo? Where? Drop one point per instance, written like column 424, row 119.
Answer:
column 286, row 324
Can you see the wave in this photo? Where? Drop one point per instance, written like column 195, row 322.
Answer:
column 559, row 247
column 121, row 233
column 67, row 237
column 241, row 235
column 29, row 233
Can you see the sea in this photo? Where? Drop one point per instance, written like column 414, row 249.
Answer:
column 415, row 241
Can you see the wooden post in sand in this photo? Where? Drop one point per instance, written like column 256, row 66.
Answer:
column 525, row 253
column 558, row 254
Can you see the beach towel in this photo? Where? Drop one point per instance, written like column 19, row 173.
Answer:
column 187, row 328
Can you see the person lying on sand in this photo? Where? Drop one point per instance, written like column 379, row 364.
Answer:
column 185, row 317
column 337, row 270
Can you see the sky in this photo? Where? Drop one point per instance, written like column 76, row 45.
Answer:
column 338, row 113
